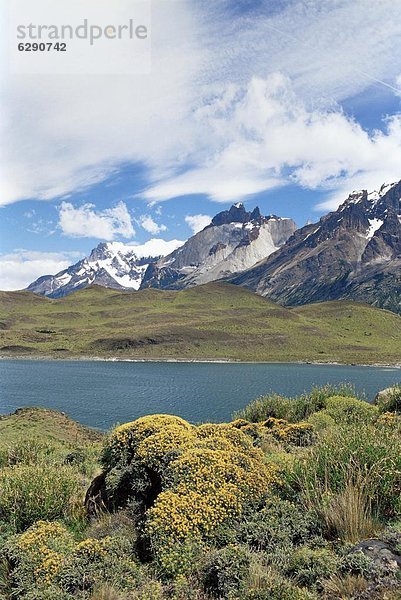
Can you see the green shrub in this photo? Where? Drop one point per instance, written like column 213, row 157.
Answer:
column 28, row 452
column 279, row 524
column 292, row 409
column 390, row 401
column 93, row 562
column 311, row 566
column 224, row 572
column 349, row 411
column 357, row 563
column 264, row 407
column 269, row 584
column 33, row 492
column 321, row 420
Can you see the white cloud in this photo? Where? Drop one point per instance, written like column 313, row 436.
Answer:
column 268, row 138
column 21, row 267
column 84, row 221
column 76, row 131
column 197, row 222
column 150, row 225
column 156, row 247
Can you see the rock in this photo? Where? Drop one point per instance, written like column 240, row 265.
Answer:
column 383, row 555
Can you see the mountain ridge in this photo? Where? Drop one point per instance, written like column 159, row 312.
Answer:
column 111, row 264
column 235, row 240
column 351, row 253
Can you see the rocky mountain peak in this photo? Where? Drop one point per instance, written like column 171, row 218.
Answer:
column 110, row 264
column 353, row 252
column 235, row 240
column 236, row 214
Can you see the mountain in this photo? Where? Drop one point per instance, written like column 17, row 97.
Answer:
column 235, row 240
column 352, row 253
column 112, row 265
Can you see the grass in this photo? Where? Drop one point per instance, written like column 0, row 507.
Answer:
column 216, row 321
column 46, row 427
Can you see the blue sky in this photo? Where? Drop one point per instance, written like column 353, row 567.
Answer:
column 286, row 105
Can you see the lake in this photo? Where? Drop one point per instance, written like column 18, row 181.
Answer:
column 101, row 394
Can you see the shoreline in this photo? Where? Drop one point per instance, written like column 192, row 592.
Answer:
column 200, row 361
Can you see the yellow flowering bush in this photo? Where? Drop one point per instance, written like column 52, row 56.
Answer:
column 125, row 440
column 295, row 434
column 40, row 551
column 47, row 556
column 196, row 479
column 389, row 419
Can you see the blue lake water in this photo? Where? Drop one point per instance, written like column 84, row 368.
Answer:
column 101, row 394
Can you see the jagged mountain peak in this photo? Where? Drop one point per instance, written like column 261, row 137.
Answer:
column 235, row 240
column 110, row 264
column 360, row 196
column 237, row 213
column 353, row 252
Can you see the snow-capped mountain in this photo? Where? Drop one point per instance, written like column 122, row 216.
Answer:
column 354, row 252
column 113, row 265
column 235, row 240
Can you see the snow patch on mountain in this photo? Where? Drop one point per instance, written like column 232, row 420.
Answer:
column 114, row 265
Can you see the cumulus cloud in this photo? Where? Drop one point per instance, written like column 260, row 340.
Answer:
column 21, row 267
column 268, row 137
column 67, row 138
column 197, row 222
column 150, row 225
column 85, row 221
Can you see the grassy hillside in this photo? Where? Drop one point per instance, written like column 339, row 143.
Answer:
column 214, row 321
column 44, row 425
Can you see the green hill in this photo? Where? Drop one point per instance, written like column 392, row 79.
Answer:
column 211, row 322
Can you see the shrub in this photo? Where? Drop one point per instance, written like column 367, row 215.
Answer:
column 268, row 584
column 225, row 571
column 390, row 400
column 311, row 566
column 28, row 452
column 46, row 557
column 292, row 409
column 33, row 492
column 349, row 411
column 151, row 437
column 357, row 563
column 93, row 562
column 279, row 524
column 295, row 434
column 321, row 420
column 264, row 407
column 208, row 485
column 36, row 556
column 192, row 480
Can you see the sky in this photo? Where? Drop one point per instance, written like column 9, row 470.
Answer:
column 288, row 105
